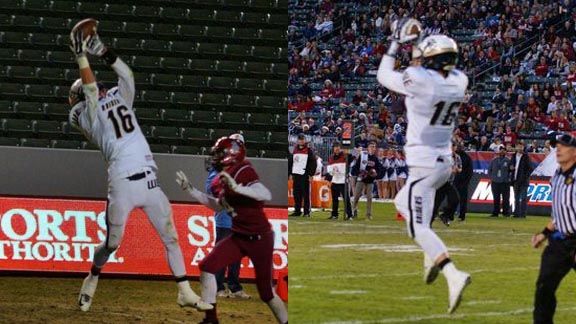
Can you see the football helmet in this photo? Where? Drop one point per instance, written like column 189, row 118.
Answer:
column 227, row 151
column 438, row 52
column 76, row 93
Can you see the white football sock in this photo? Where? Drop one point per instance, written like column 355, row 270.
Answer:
column 278, row 309
column 209, row 287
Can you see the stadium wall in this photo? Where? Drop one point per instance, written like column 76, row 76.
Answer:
column 82, row 174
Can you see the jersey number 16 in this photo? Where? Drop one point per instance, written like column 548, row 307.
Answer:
column 445, row 116
column 125, row 120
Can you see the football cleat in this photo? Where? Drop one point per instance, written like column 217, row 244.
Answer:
column 456, row 288
column 222, row 293
column 87, row 292
column 431, row 273
column 192, row 300
column 240, row 294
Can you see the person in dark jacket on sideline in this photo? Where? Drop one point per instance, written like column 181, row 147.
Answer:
column 301, row 168
column 520, row 169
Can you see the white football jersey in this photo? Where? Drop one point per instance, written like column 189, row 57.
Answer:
column 432, row 104
column 111, row 124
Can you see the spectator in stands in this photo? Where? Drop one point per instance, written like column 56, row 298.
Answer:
column 498, row 170
column 563, row 122
column 363, row 140
column 496, row 145
column 483, row 145
column 521, row 169
column 305, row 90
column 309, row 33
column 323, row 25
column 552, row 106
column 510, row 136
column 358, row 70
column 301, row 166
column 541, row 69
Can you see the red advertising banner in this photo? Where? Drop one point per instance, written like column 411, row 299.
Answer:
column 61, row 234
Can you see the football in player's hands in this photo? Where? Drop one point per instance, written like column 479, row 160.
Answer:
column 81, row 34
column 87, row 26
column 405, row 30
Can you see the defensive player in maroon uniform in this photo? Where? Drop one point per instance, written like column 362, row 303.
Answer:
column 238, row 190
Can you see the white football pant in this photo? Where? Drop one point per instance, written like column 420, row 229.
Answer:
column 415, row 202
column 125, row 195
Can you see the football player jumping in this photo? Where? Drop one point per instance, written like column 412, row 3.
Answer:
column 433, row 93
column 106, row 118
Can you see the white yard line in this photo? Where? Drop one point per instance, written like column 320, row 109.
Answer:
column 416, row 297
column 483, row 302
column 403, row 274
column 411, row 319
column 347, row 292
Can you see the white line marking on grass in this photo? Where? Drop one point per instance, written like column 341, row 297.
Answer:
column 416, row 297
column 411, row 319
column 295, row 286
column 386, row 247
column 483, row 302
column 347, row 292
column 403, row 274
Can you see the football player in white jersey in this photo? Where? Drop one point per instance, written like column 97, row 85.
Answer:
column 433, row 93
column 106, row 118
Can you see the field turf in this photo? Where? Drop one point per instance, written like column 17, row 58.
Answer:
column 38, row 300
column 363, row 272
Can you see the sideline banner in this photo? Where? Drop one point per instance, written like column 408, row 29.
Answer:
column 481, row 160
column 481, row 199
column 320, row 194
column 61, row 234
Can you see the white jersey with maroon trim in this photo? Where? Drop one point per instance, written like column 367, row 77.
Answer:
column 111, row 124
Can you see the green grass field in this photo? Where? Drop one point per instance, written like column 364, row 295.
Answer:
column 364, row 272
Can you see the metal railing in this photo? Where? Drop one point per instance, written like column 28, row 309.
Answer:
column 519, row 49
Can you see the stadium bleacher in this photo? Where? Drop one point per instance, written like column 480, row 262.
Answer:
column 202, row 69
column 489, row 34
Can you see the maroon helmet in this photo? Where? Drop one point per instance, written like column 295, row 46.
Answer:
column 227, row 151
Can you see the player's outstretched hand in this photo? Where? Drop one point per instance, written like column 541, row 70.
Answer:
column 405, row 30
column 78, row 44
column 537, row 240
column 182, row 180
column 95, row 46
column 228, row 180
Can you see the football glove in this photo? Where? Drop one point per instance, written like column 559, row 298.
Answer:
column 228, row 180
column 95, row 46
column 78, row 44
column 405, row 30
column 182, row 180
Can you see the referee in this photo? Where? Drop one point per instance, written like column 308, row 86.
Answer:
column 558, row 256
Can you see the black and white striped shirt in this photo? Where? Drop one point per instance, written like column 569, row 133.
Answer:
column 563, row 200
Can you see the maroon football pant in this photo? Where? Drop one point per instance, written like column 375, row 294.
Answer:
column 234, row 247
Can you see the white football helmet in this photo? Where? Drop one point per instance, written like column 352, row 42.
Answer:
column 75, row 93
column 438, row 52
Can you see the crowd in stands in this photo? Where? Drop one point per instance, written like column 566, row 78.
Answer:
column 528, row 47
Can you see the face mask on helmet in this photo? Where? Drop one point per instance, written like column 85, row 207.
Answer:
column 227, row 151
column 438, row 52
